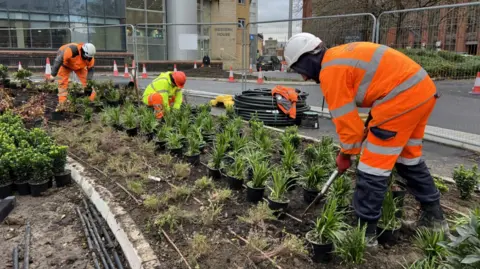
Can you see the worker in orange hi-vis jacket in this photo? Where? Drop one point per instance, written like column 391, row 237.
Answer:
column 76, row 57
column 401, row 96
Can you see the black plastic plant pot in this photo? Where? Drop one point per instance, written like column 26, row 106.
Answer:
column 97, row 108
column 58, row 115
column 6, row 190
column 309, row 195
column 399, row 197
column 254, row 195
column 22, row 188
column 118, row 127
column 321, row 253
column 234, row 183
column 249, row 173
column 50, row 182
column 150, row 136
column 194, row 159
column 132, row 132
column 63, row 179
column 387, row 237
column 177, row 152
column 279, row 207
column 113, row 103
column 37, row 189
column 202, row 147
column 214, row 173
column 160, row 145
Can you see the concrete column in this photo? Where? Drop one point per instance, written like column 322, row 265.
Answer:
column 181, row 11
column 20, row 34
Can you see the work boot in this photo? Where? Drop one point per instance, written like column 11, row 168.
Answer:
column 431, row 217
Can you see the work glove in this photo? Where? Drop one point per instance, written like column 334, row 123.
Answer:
column 343, row 162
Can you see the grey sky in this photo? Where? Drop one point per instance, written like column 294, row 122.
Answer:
column 269, row 10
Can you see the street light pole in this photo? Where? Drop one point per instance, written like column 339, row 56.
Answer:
column 290, row 17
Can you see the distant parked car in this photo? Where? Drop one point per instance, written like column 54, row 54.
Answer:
column 268, row 62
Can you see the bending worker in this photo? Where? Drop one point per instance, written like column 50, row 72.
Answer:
column 76, row 57
column 401, row 96
column 165, row 91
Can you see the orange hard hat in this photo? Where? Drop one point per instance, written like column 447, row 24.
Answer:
column 180, row 78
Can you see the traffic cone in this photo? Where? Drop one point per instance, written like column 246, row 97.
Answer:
column 230, row 77
column 476, row 86
column 133, row 68
column 195, row 65
column 281, row 69
column 251, row 68
column 20, row 66
column 144, row 72
column 115, row 69
column 48, row 69
column 126, row 75
column 175, row 68
column 260, row 77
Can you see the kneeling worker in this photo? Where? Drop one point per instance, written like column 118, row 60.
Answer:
column 165, row 91
column 76, row 57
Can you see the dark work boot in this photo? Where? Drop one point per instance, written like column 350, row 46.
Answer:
column 431, row 217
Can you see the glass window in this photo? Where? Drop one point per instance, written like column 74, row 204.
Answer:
column 39, row 17
column 112, row 21
column 78, row 18
column 77, row 7
column 18, row 5
column 155, row 5
column 3, row 4
column 4, row 34
column 241, row 23
column 115, row 38
column 96, row 20
column 135, row 17
column 39, row 5
column 114, row 8
column 79, row 32
column 60, row 36
column 136, row 4
column 18, row 16
column 63, row 18
column 40, row 37
column 59, row 6
column 96, row 36
column 154, row 17
column 95, row 8
column 3, row 15
column 242, row 2
column 20, row 37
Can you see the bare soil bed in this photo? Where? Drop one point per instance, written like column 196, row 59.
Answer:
column 204, row 219
column 57, row 239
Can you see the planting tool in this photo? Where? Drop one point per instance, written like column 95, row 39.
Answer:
column 332, row 177
column 26, row 251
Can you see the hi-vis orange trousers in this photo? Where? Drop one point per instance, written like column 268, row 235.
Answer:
column 155, row 100
column 64, row 75
column 395, row 143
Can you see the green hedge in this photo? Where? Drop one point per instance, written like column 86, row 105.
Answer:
column 445, row 64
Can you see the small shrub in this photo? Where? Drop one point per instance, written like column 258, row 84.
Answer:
column 181, row 170
column 136, row 187
column 258, row 214
column 466, row 180
column 261, row 172
column 427, row 241
column 180, row 192
column 329, row 225
column 425, row 263
column 294, row 245
column 312, row 176
column 440, row 184
column 210, row 214
column 172, row 218
column 220, row 195
column 152, row 202
column 200, row 245
column 388, row 220
column 279, row 185
column 351, row 247
column 165, row 159
column 204, row 183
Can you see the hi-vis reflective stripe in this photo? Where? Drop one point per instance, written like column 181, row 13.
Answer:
column 383, row 150
column 407, row 84
column 345, row 109
column 62, row 92
column 408, row 161
column 372, row 170
column 414, row 142
column 351, row 146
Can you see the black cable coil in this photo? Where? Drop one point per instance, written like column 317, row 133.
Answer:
column 264, row 104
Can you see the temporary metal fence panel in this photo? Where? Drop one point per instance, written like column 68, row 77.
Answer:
column 333, row 30
column 443, row 39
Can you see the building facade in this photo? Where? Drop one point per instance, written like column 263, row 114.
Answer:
column 27, row 25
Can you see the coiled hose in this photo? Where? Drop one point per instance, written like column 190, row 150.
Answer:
column 264, row 104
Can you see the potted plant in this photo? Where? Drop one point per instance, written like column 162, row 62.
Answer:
column 466, row 180
column 129, row 120
column 388, row 224
column 290, row 136
column 208, row 129
column 277, row 200
column 312, row 177
column 22, row 76
column 113, row 117
column 217, row 154
column 6, row 181
column 342, row 190
column 328, row 229
column 290, row 163
column 236, row 174
column 174, row 143
column 162, row 136
column 21, row 169
column 41, row 173
column 193, row 150
column 148, row 124
column 112, row 97
column 58, row 154
column 256, row 187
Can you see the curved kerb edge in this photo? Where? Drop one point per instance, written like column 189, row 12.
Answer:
column 136, row 249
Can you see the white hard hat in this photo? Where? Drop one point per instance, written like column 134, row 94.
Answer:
column 89, row 50
column 298, row 45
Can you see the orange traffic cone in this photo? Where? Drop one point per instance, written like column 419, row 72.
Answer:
column 175, row 68
column 144, row 72
column 48, row 69
column 476, row 86
column 195, row 65
column 260, row 77
column 251, row 68
column 126, row 75
column 115, row 69
column 281, row 69
column 20, row 66
column 230, row 77
column 133, row 68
